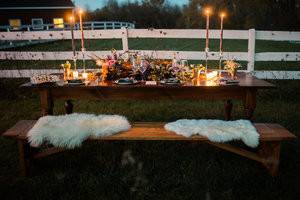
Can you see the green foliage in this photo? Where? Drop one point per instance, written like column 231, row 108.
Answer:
column 241, row 14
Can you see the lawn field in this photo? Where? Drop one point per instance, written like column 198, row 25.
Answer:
column 151, row 170
column 158, row 44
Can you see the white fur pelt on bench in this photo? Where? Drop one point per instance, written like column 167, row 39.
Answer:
column 217, row 130
column 69, row 131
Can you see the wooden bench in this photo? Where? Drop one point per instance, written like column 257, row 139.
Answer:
column 268, row 152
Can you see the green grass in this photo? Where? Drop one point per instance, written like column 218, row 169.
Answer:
column 154, row 170
column 158, row 44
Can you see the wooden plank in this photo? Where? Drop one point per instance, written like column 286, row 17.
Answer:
column 61, row 35
column 19, row 128
column 277, row 56
column 194, row 55
column 238, row 151
column 278, row 35
column 186, row 33
column 68, row 55
column 156, row 131
column 251, row 50
column 117, row 33
column 58, row 55
column 274, row 132
column 285, row 75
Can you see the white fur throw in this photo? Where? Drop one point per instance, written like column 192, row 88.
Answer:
column 217, row 130
column 69, row 131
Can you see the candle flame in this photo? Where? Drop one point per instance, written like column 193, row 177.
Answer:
column 207, row 11
column 80, row 11
column 223, row 14
column 211, row 75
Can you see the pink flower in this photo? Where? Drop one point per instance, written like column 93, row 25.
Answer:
column 111, row 62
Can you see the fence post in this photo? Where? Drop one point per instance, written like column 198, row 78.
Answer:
column 251, row 50
column 124, row 38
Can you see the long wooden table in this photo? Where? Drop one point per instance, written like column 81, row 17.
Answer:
column 199, row 89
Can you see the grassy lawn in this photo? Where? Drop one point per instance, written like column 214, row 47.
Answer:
column 158, row 44
column 151, row 170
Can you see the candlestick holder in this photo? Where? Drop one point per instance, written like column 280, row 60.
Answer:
column 83, row 58
column 220, row 63
column 206, row 58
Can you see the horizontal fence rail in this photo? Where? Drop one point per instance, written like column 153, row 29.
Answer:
column 123, row 34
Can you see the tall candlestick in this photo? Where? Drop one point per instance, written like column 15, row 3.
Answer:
column 207, row 12
column 72, row 23
column 221, row 43
column 82, row 39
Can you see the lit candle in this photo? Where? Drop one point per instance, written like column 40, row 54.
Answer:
column 207, row 12
column 84, row 75
column 222, row 15
column 82, row 38
column 75, row 74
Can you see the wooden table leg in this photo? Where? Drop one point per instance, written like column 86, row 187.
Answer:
column 46, row 102
column 228, row 109
column 69, row 107
column 24, row 157
column 250, row 103
column 270, row 151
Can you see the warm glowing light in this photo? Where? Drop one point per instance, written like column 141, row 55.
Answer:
column 85, row 75
column 80, row 11
column 211, row 75
column 222, row 15
column 75, row 74
column 207, row 11
column 71, row 18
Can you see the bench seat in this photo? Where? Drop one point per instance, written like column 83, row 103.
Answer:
column 268, row 154
column 156, row 131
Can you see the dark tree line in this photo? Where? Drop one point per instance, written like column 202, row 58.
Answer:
column 241, row 14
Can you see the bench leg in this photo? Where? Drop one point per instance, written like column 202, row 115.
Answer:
column 24, row 157
column 270, row 151
column 228, row 109
column 69, row 107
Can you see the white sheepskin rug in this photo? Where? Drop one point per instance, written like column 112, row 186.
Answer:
column 69, row 131
column 217, row 130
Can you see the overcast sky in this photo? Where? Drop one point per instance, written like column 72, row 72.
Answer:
column 94, row 4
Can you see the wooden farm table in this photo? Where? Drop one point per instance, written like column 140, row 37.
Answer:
column 246, row 91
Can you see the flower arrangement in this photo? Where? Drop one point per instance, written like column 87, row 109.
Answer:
column 139, row 66
column 231, row 66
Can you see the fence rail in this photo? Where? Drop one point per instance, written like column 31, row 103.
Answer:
column 250, row 56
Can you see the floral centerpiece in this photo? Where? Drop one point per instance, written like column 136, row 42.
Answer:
column 138, row 66
column 231, row 66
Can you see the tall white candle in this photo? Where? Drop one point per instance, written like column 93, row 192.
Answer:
column 82, row 38
column 207, row 13
column 222, row 15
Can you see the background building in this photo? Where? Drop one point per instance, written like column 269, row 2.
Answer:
column 18, row 14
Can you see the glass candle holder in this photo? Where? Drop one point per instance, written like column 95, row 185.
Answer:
column 75, row 74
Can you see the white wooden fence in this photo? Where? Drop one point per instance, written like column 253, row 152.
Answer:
column 250, row 56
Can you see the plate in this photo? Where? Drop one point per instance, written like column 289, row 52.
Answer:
column 75, row 82
column 171, row 81
column 126, row 82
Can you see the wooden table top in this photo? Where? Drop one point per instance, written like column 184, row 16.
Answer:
column 245, row 80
